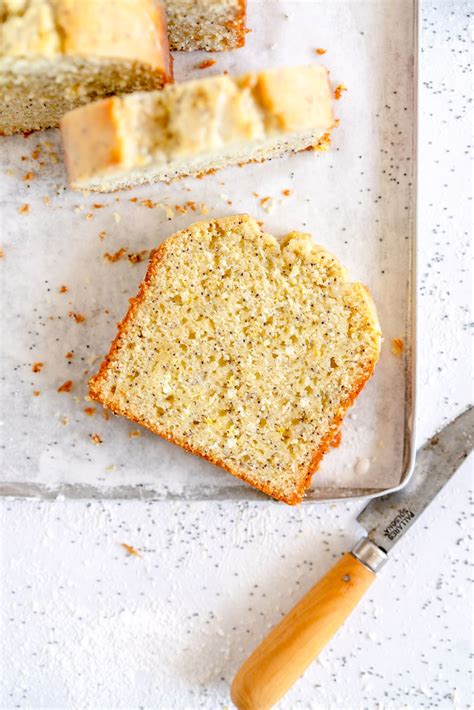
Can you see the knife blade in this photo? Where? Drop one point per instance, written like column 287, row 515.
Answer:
column 388, row 518
column 282, row 657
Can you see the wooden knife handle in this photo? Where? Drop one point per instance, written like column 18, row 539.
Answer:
column 281, row 658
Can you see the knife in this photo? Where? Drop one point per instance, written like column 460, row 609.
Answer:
column 283, row 656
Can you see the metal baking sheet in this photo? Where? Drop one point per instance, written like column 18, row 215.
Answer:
column 358, row 200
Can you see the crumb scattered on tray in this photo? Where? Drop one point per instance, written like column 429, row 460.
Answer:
column 206, row 64
column 131, row 550
column 97, row 205
column 148, row 203
column 24, row 209
column 90, row 411
column 46, row 200
column 28, row 176
column 66, row 386
column 286, row 192
column 63, row 288
column 362, row 466
column 397, row 346
column 338, row 91
column 138, row 256
column 134, row 434
column 320, row 50
column 69, row 355
column 36, row 393
column 78, row 317
column 37, row 366
column 116, row 256
column 134, row 199
column 102, row 234
column 96, row 439
column 89, row 215
column 267, row 204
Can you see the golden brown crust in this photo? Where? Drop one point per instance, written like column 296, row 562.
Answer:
column 102, row 146
column 238, row 26
column 133, row 30
column 95, row 393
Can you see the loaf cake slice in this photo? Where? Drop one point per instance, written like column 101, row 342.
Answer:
column 243, row 350
column 56, row 55
column 214, row 25
column 196, row 127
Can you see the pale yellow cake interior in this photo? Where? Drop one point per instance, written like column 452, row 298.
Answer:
column 244, row 349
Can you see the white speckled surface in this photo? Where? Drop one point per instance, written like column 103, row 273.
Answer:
column 85, row 626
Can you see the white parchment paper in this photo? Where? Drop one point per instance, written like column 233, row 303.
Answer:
column 356, row 200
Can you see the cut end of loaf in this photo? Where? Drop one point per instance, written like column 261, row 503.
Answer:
column 58, row 55
column 211, row 25
column 243, row 350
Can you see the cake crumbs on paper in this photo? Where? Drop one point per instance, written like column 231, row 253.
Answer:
column 112, row 258
column 63, row 288
column 64, row 421
column 69, row 355
column 169, row 212
column 287, row 192
column 98, row 205
column 138, row 256
column 338, row 91
column 133, row 199
column 46, row 200
column 320, row 50
column 397, row 346
column 66, row 386
column 78, row 317
column 90, row 411
column 24, row 209
column 147, row 203
column 134, row 434
column 30, row 175
column 203, row 208
column 106, row 415
column 362, row 466
column 130, row 549
column 89, row 215
column 96, row 439
column 36, row 393
column 102, row 235
column 267, row 204
column 37, row 366
column 206, row 64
